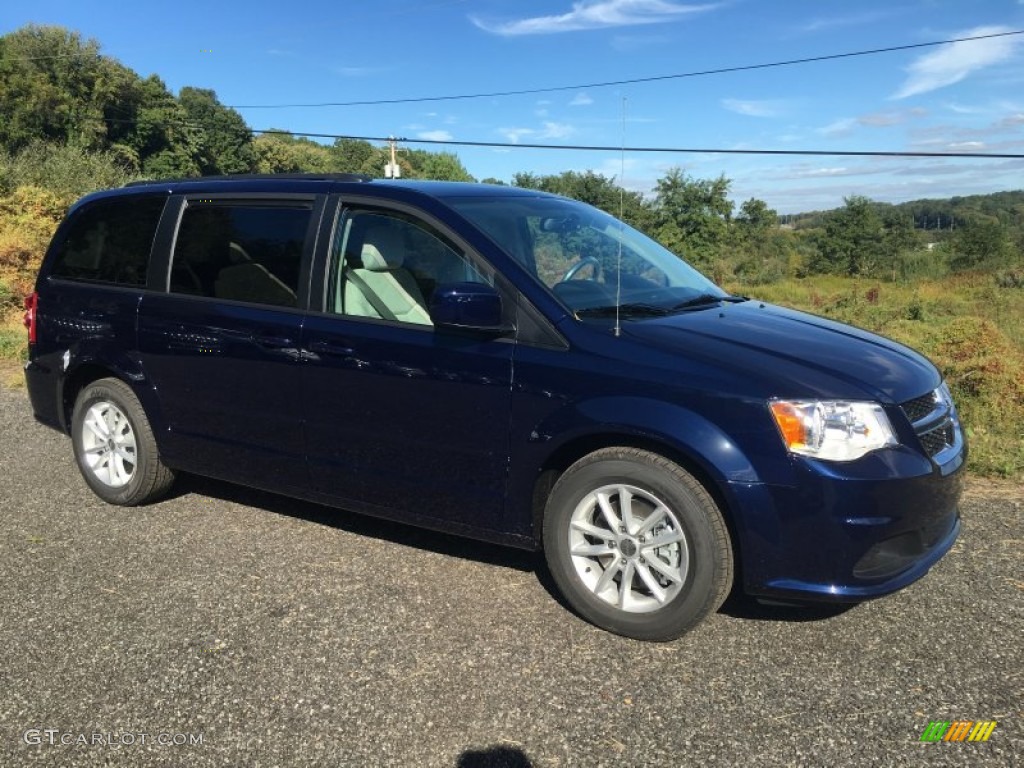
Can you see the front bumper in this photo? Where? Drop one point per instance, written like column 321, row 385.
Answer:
column 846, row 533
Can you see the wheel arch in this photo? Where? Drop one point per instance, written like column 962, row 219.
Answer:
column 77, row 379
column 571, row 451
column 85, row 368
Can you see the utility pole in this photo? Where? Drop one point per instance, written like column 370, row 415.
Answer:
column 392, row 170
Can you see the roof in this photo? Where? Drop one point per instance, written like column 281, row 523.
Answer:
column 315, row 183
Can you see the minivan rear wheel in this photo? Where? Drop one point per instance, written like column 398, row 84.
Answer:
column 636, row 544
column 115, row 447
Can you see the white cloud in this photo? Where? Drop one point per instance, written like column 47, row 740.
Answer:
column 841, row 127
column 966, row 146
column 963, row 109
column 886, row 119
column 818, row 173
column 556, row 131
column 837, row 22
column 594, row 14
column 954, row 62
column 515, row 135
column 845, row 126
column 435, row 135
column 754, row 108
column 581, row 100
column 550, row 130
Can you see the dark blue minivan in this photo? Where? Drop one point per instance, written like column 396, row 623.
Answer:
column 497, row 363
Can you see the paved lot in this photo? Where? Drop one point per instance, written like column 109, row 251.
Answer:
column 287, row 634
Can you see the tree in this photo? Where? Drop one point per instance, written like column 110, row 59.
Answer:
column 165, row 140
column 692, row 216
column 351, row 155
column 980, row 243
column 851, row 243
column 443, row 166
column 48, row 78
column 224, row 140
column 280, row 152
column 756, row 218
column 594, row 189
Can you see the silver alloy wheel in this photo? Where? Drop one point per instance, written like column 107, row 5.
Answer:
column 108, row 444
column 628, row 548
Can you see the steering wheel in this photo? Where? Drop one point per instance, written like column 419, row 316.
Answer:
column 575, row 268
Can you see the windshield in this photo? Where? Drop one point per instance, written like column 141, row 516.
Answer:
column 587, row 258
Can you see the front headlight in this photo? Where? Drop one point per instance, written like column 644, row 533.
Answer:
column 832, row 430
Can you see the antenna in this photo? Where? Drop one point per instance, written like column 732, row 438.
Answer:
column 622, row 210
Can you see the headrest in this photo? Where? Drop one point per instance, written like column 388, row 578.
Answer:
column 382, row 250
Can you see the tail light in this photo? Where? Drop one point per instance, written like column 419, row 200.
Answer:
column 31, row 307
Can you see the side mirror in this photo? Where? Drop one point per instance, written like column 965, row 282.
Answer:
column 468, row 307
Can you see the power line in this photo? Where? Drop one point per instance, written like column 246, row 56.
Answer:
column 668, row 150
column 591, row 147
column 632, row 81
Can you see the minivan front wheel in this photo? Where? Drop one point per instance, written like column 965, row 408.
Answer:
column 115, row 447
column 636, row 544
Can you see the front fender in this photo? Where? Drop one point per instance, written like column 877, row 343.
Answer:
column 684, row 431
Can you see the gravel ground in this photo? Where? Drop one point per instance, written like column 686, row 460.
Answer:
column 283, row 633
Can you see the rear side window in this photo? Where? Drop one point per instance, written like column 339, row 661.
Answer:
column 241, row 251
column 109, row 241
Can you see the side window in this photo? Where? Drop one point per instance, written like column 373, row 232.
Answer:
column 109, row 241
column 242, row 251
column 386, row 265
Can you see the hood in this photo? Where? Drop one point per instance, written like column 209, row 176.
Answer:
column 786, row 353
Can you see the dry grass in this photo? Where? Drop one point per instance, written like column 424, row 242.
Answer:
column 970, row 328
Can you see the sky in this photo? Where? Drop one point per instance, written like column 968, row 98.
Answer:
column 961, row 97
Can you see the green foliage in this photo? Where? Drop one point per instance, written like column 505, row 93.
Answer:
column 52, row 88
column 692, row 216
column 67, row 171
column 756, row 219
column 224, row 140
column 981, row 244
column 594, row 189
column 353, row 156
column 280, row 152
column 851, row 241
column 441, row 166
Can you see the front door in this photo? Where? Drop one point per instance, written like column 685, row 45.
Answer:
column 403, row 418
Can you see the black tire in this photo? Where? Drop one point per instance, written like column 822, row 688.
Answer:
column 129, row 481
column 692, row 571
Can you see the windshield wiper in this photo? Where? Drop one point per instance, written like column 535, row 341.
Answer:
column 624, row 310
column 707, row 299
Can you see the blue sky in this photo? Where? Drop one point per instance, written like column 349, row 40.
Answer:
column 962, row 97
